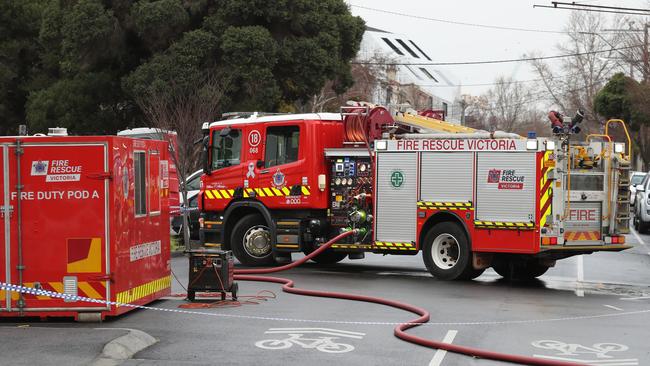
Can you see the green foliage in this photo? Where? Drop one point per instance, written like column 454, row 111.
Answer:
column 613, row 100
column 623, row 98
column 83, row 64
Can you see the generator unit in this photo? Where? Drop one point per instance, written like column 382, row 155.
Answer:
column 211, row 270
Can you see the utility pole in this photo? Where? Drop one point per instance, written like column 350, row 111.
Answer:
column 646, row 57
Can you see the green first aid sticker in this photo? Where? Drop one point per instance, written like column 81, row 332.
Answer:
column 396, row 179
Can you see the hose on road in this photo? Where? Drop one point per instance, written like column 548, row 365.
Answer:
column 400, row 330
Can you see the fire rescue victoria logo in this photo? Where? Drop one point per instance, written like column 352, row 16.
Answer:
column 396, row 179
column 278, row 179
column 39, row 167
column 506, row 179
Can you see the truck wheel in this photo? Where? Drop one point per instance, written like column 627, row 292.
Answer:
column 447, row 253
column 251, row 241
column 329, row 257
column 520, row 271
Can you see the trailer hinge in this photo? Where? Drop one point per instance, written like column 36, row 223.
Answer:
column 100, row 176
column 6, row 209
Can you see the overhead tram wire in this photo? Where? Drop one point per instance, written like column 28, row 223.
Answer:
column 595, row 8
column 446, row 21
column 486, row 62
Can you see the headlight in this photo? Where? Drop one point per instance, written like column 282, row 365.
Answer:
column 382, row 145
column 550, row 145
column 619, row 148
column 531, row 144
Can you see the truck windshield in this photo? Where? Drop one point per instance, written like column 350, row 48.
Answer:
column 225, row 149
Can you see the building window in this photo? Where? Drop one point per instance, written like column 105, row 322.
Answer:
column 406, row 47
column 389, row 95
column 445, row 109
column 393, row 47
column 225, row 149
column 281, row 145
column 413, row 72
column 422, row 52
column 427, row 73
column 140, row 168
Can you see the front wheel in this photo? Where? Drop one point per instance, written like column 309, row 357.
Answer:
column 447, row 252
column 251, row 241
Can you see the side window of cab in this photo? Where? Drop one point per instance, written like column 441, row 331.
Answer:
column 226, row 148
column 282, row 145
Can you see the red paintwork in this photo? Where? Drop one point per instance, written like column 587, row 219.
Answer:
column 315, row 136
column 109, row 215
column 495, row 240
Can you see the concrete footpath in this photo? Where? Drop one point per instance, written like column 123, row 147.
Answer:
column 52, row 345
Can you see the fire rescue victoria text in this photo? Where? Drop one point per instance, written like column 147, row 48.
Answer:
column 457, row 145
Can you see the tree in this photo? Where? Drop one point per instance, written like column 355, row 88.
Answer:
column 580, row 77
column 625, row 98
column 509, row 106
column 83, row 64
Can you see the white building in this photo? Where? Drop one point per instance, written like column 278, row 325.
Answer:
column 424, row 86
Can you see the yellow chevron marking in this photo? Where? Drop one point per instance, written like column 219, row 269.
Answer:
column 209, row 195
column 144, row 290
column 260, row 192
column 216, row 194
column 305, row 191
column 286, row 191
column 224, row 193
column 269, row 192
column 277, row 192
column 89, row 290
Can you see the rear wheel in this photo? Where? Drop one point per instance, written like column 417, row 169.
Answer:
column 251, row 241
column 329, row 257
column 520, row 271
column 447, row 253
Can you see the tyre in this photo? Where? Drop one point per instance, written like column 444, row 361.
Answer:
column 251, row 241
column 447, row 252
column 642, row 226
column 329, row 257
column 520, row 271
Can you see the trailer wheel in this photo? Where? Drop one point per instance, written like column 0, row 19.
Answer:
column 251, row 241
column 520, row 271
column 447, row 253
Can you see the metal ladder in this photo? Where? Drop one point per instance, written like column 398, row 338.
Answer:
column 622, row 195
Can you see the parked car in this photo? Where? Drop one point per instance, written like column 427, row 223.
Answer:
column 192, row 184
column 193, row 208
column 636, row 178
column 642, row 206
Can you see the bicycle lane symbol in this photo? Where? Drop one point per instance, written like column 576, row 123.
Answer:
column 321, row 339
column 578, row 353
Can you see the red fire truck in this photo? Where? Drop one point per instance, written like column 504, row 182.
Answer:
column 467, row 199
column 83, row 216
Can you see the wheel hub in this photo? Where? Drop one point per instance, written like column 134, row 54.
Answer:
column 445, row 251
column 257, row 241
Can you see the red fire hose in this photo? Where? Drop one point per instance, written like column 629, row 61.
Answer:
column 400, row 330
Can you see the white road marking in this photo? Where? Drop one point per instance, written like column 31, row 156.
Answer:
column 619, row 362
column 635, row 298
column 613, row 307
column 639, row 239
column 580, row 276
column 440, row 354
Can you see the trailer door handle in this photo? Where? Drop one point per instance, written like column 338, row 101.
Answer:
column 100, row 176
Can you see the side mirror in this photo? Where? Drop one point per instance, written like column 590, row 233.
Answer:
column 225, row 132
column 205, row 157
column 260, row 164
column 640, row 188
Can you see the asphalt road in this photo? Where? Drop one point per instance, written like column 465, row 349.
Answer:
column 594, row 309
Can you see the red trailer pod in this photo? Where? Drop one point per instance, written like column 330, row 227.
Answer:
column 84, row 216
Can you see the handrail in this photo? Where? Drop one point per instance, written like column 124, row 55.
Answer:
column 610, row 173
column 627, row 134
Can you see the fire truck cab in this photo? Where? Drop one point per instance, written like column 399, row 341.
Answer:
column 467, row 199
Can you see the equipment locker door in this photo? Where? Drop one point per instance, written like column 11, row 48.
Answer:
column 63, row 224
column 396, row 197
column 5, row 213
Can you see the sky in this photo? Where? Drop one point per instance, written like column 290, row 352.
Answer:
column 452, row 42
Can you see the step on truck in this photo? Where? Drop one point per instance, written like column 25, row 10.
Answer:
column 468, row 199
